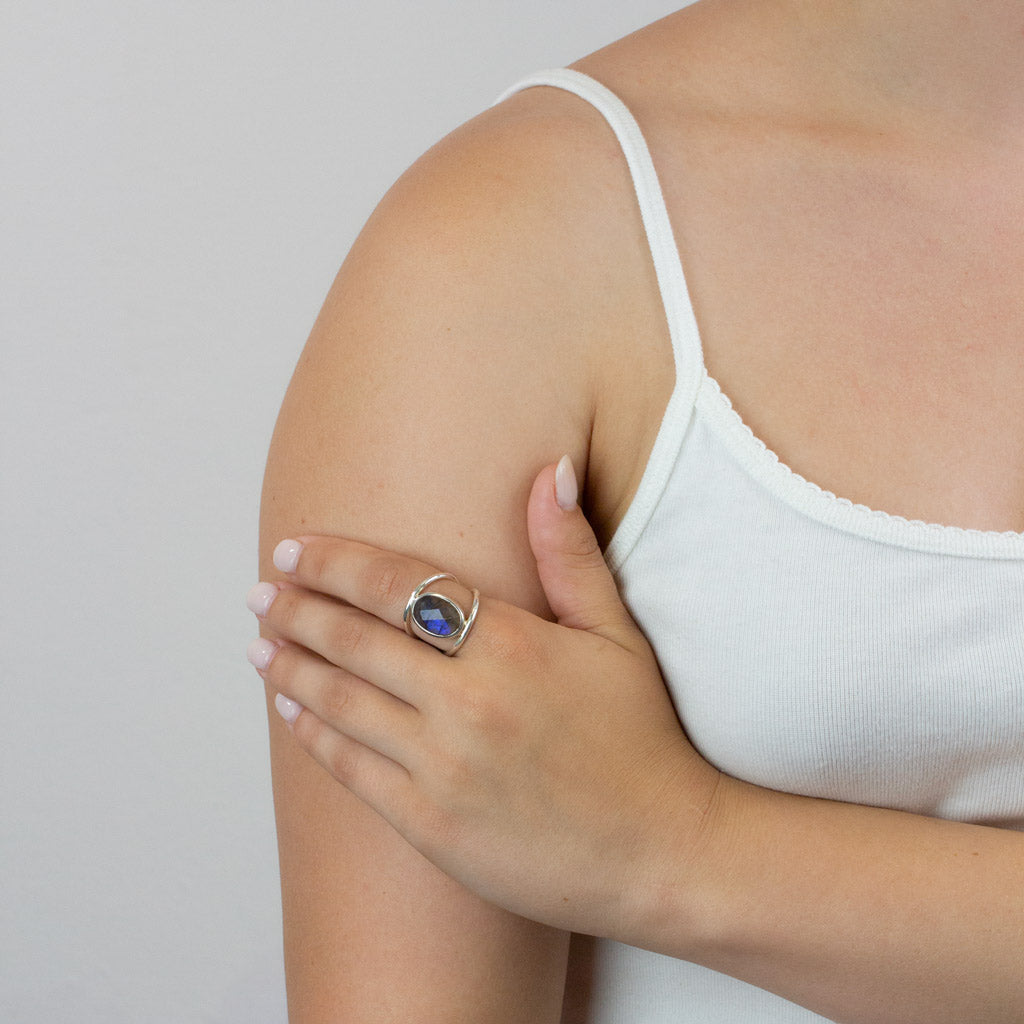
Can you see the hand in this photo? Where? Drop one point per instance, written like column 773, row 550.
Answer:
column 542, row 766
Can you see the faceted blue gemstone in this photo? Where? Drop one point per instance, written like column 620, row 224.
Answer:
column 437, row 615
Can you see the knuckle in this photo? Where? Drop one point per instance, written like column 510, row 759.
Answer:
column 343, row 762
column 508, row 642
column 383, row 581
column 582, row 547
column 489, row 717
column 335, row 700
column 349, row 634
column 477, row 709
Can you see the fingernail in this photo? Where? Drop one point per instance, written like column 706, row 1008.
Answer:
column 286, row 555
column 261, row 652
column 289, row 710
column 260, row 598
column 566, row 488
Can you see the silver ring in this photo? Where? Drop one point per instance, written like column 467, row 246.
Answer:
column 438, row 619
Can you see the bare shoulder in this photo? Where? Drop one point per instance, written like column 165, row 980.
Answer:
column 471, row 330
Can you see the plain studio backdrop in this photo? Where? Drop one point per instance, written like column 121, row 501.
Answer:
column 178, row 185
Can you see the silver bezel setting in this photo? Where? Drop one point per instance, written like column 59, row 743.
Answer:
column 446, row 644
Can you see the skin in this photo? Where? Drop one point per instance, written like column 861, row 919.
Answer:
column 471, row 760
column 797, row 144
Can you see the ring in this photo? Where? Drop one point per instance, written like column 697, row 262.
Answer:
column 438, row 619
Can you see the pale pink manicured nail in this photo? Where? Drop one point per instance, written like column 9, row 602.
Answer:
column 260, row 598
column 286, row 555
column 566, row 488
column 288, row 709
column 261, row 652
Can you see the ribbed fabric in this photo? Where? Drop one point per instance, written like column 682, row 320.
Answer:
column 810, row 645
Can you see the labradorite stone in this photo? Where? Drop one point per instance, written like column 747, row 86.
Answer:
column 436, row 615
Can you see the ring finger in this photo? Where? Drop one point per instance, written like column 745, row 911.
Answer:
column 347, row 637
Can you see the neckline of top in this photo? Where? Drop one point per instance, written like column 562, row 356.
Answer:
column 811, row 499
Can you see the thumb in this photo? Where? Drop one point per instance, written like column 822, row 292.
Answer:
column 576, row 581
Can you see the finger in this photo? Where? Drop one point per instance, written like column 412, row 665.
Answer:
column 346, row 703
column 577, row 582
column 349, row 638
column 369, row 775
column 378, row 581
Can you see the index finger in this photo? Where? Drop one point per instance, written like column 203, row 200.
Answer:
column 376, row 580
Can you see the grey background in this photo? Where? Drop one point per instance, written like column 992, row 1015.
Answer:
column 178, row 185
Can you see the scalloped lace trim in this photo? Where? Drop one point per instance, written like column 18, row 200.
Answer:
column 794, row 482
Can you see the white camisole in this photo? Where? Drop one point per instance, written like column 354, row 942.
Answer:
column 810, row 645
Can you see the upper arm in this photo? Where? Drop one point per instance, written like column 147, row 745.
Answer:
column 447, row 366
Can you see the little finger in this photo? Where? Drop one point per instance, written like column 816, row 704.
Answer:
column 371, row 776
column 343, row 701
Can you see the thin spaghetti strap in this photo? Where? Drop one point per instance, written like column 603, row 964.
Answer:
column 675, row 297
column 682, row 324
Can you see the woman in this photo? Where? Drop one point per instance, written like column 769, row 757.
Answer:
column 836, row 834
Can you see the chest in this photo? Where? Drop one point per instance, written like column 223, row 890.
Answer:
column 865, row 316
column 819, row 649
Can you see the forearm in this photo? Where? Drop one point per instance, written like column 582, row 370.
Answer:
column 864, row 915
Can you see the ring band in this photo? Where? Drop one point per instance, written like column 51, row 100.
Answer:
column 438, row 619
